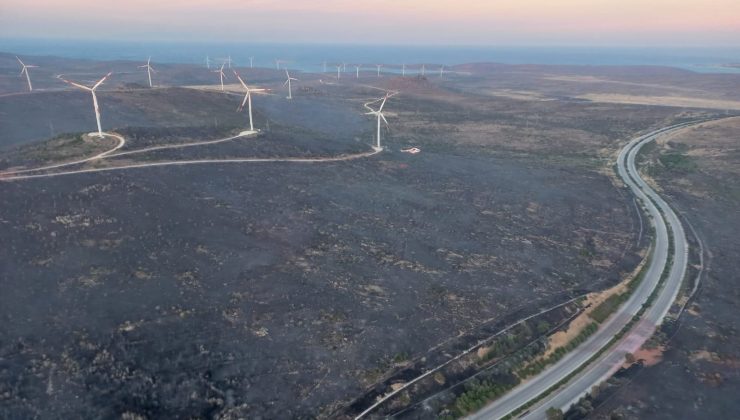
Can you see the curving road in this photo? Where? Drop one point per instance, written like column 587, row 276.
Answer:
column 183, row 145
column 613, row 358
column 475, row 347
column 196, row 162
column 107, row 153
column 31, row 173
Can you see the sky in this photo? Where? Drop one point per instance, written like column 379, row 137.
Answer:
column 673, row 23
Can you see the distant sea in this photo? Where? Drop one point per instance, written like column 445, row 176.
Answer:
column 310, row 57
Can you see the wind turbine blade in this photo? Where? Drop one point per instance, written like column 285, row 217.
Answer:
column 100, row 82
column 383, row 104
column 244, row 102
column 19, row 60
column 286, row 82
column 384, row 120
column 76, row 84
column 241, row 81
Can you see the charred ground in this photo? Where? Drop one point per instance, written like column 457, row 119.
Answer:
column 288, row 290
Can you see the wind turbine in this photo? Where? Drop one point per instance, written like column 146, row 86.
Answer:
column 339, row 71
column 441, row 71
column 251, row 62
column 208, row 62
column 378, row 66
column 228, row 60
column 25, row 70
column 423, row 69
column 358, row 71
column 324, row 66
column 95, row 98
column 403, row 70
column 379, row 114
column 149, row 70
column 247, row 99
column 287, row 82
column 221, row 75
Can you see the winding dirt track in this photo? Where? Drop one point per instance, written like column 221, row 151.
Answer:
column 30, row 173
column 183, row 145
column 197, row 162
column 107, row 153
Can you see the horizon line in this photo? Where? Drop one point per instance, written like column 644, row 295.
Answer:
column 370, row 44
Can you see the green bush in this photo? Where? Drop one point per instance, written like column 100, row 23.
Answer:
column 677, row 162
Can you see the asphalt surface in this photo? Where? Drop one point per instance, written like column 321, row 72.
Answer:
column 613, row 358
column 471, row 349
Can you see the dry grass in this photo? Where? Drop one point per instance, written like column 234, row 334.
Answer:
column 593, row 300
column 649, row 357
column 594, row 79
column 519, row 94
column 677, row 101
column 713, row 144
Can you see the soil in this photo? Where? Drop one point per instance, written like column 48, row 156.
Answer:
column 288, row 290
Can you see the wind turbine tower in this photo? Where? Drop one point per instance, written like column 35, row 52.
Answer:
column 339, row 71
column 208, row 62
column 287, row 82
column 25, row 70
column 247, row 99
column 95, row 99
column 403, row 70
column 378, row 66
column 221, row 75
column 380, row 115
column 251, row 62
column 149, row 70
column 357, row 68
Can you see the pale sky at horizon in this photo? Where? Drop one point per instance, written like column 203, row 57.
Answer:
column 470, row 22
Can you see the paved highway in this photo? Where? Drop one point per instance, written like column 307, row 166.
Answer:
column 613, row 358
